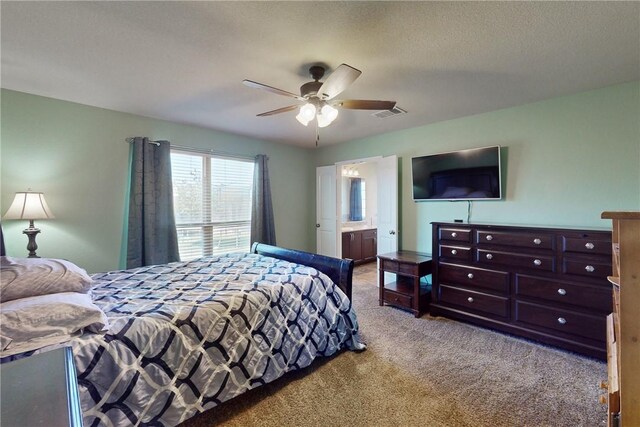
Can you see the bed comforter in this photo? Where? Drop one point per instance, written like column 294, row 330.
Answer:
column 186, row 336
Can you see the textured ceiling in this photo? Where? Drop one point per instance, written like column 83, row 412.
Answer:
column 185, row 61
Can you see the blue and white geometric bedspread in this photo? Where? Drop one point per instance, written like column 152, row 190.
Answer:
column 187, row 336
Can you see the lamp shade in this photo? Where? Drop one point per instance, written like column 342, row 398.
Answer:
column 29, row 205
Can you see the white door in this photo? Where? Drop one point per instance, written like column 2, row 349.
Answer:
column 388, row 208
column 326, row 211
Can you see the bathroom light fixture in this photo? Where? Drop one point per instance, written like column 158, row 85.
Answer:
column 350, row 172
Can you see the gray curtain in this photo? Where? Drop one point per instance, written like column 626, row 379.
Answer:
column 152, row 236
column 355, row 202
column 263, row 229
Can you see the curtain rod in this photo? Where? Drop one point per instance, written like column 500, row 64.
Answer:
column 200, row 150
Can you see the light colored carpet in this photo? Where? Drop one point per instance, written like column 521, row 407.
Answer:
column 425, row 372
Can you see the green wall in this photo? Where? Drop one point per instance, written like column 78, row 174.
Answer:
column 77, row 155
column 565, row 160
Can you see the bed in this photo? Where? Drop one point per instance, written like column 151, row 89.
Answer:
column 185, row 337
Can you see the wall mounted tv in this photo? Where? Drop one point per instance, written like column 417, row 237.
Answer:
column 472, row 174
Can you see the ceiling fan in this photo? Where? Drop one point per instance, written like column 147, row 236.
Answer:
column 319, row 97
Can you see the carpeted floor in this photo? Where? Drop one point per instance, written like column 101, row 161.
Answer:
column 425, row 372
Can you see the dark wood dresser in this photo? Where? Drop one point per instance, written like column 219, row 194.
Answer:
column 546, row 284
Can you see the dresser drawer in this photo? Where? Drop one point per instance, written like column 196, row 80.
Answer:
column 475, row 301
column 396, row 298
column 523, row 240
column 474, row 277
column 566, row 321
column 587, row 244
column 598, row 269
column 460, row 253
column 585, row 296
column 455, row 234
column 534, row 262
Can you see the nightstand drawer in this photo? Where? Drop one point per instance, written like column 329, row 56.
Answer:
column 400, row 267
column 455, row 234
column 396, row 298
column 474, row 277
column 460, row 253
column 581, row 295
column 566, row 321
column 535, row 262
column 526, row 240
column 475, row 301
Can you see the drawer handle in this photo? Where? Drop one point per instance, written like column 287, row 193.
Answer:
column 589, row 245
column 396, row 299
column 562, row 320
column 454, row 234
column 489, row 256
column 489, row 237
column 470, row 299
column 537, row 241
column 537, row 262
column 562, row 291
column 590, row 268
column 453, row 252
column 470, row 275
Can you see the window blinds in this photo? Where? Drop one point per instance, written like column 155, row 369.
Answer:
column 212, row 202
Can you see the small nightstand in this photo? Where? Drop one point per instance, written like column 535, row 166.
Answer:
column 406, row 291
column 40, row 390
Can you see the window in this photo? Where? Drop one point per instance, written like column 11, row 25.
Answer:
column 212, row 203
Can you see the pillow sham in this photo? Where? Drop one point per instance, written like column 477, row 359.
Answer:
column 34, row 322
column 29, row 277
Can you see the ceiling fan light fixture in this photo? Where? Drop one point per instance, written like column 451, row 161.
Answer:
column 308, row 111
column 329, row 112
column 323, row 121
column 326, row 115
column 306, row 114
column 303, row 121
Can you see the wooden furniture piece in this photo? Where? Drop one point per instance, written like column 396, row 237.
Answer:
column 40, row 390
column 338, row 270
column 360, row 245
column 406, row 292
column 623, row 325
column 546, row 284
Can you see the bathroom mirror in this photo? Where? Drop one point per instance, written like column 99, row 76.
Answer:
column 353, row 199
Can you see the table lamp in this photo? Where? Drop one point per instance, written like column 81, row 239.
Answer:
column 29, row 205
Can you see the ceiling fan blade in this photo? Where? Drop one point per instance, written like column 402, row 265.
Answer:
column 278, row 111
column 271, row 89
column 365, row 104
column 338, row 81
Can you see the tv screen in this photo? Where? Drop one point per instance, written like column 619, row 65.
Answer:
column 472, row 174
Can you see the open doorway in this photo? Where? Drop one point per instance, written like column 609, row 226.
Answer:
column 346, row 230
column 358, row 210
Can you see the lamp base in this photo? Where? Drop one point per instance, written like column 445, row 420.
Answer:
column 31, row 234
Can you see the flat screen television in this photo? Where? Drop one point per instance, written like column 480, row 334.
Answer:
column 472, row 174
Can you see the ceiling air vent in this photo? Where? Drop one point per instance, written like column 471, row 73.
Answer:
column 388, row 113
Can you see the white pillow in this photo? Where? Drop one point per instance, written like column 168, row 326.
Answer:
column 28, row 277
column 31, row 323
